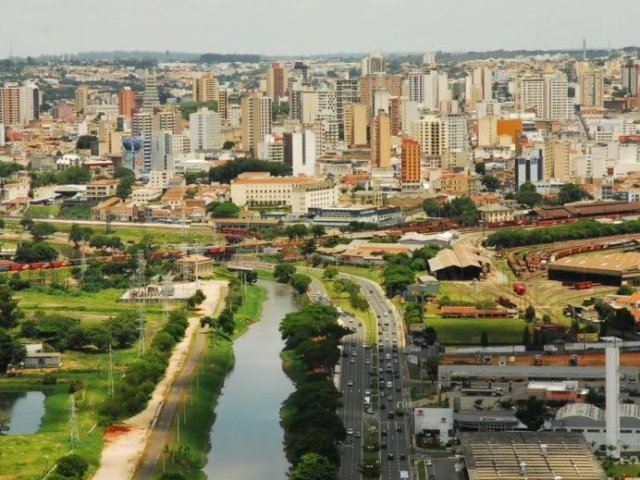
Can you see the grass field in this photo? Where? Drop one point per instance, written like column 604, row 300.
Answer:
column 25, row 457
column 469, row 330
column 373, row 273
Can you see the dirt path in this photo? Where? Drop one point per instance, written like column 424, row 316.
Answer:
column 125, row 443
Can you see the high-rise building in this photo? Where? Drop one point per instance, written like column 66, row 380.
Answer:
column 169, row 119
column 631, row 77
column 410, row 162
column 277, row 80
column 557, row 105
column 381, row 140
column 165, row 145
column 300, row 152
column 374, row 63
column 308, row 106
column 10, row 98
column 205, row 128
column 301, row 70
column 529, row 168
column 479, row 86
column 395, row 115
column 592, row 89
column 369, row 84
column 556, row 161
column 223, row 104
column 142, row 127
column 346, row 94
column 2, row 135
column 429, row 131
column 29, row 102
column 126, row 102
column 355, row 124
column 455, row 132
column 429, row 88
column 255, row 120
column 205, row 88
column 82, row 99
column 150, row 97
column 530, row 95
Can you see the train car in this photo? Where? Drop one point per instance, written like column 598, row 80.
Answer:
column 519, row 288
column 582, row 285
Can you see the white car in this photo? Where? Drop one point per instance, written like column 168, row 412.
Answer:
column 349, row 431
column 350, row 383
column 367, row 392
column 429, row 462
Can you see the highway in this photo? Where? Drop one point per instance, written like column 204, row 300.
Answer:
column 393, row 428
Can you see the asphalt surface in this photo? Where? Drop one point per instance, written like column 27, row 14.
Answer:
column 163, row 425
column 396, row 428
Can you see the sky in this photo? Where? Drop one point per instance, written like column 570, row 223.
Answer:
column 305, row 27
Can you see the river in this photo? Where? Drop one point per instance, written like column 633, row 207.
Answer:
column 246, row 439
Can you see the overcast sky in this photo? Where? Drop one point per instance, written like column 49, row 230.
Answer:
column 299, row 27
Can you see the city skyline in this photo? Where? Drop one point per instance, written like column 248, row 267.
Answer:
column 41, row 27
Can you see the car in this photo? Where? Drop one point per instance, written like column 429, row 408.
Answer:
column 389, row 384
column 380, row 370
column 398, row 389
column 389, row 398
column 353, row 344
column 432, row 477
column 399, row 429
column 383, row 446
column 367, row 392
column 350, row 383
column 383, row 433
column 357, row 434
column 391, row 415
column 349, row 431
column 345, row 354
column 367, row 361
column 390, row 456
column 403, row 456
column 353, row 360
column 429, row 462
column 382, row 406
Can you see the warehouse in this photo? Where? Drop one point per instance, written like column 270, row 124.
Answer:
column 611, row 269
column 461, row 262
column 529, row 455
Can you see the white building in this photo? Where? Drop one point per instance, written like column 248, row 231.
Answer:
column 205, row 129
column 303, row 153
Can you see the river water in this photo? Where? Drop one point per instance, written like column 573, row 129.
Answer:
column 25, row 410
column 246, row 439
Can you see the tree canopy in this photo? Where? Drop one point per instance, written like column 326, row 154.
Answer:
column 230, row 170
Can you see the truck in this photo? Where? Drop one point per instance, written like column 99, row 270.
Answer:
column 404, row 475
column 519, row 288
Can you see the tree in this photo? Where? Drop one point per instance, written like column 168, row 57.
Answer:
column 490, row 183
column 296, row 231
column 123, row 329
column 313, row 467
column 397, row 277
column 79, row 234
column 30, row 252
column 73, row 466
column 26, row 223
column 431, row 366
column 248, row 276
column 41, row 230
column 480, row 168
column 300, row 282
column 329, row 273
column 122, row 172
column 532, row 413
column 318, row 230
column 9, row 313
column 309, row 247
column 224, row 210
column 228, row 145
column 528, row 195
column 530, row 314
column 284, row 271
column 230, row 170
column 526, row 336
column 172, row 476
column 625, row 290
column 124, row 188
column 106, row 241
column 11, row 351
column 570, row 192
column 484, row 338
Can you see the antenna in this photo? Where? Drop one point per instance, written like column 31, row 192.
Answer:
column 584, row 49
column 73, row 427
column 140, row 289
column 110, row 386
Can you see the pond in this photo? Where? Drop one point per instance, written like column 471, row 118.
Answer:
column 25, row 410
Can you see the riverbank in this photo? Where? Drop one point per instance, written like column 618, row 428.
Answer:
column 188, row 453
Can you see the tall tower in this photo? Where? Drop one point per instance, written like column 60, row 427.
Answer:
column 410, row 162
column 256, row 121
column 612, row 385
column 150, row 98
column 277, row 81
column 584, row 49
column 381, row 141
column 126, row 102
column 82, row 94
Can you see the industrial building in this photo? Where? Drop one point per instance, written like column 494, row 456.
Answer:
column 529, row 455
column 459, row 263
column 611, row 269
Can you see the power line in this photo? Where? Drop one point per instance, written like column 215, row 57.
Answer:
column 73, row 428
column 110, row 387
column 140, row 289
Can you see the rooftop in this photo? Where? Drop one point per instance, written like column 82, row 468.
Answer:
column 529, row 455
column 613, row 262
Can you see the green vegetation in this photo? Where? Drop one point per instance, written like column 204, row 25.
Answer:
column 223, row 210
column 512, row 237
column 400, row 269
column 469, row 330
column 30, row 252
column 71, row 175
column 309, row 415
column 462, row 208
column 230, row 170
column 188, row 108
column 42, row 211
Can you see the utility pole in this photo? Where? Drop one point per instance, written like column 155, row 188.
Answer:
column 110, row 387
column 140, row 290
column 73, row 428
